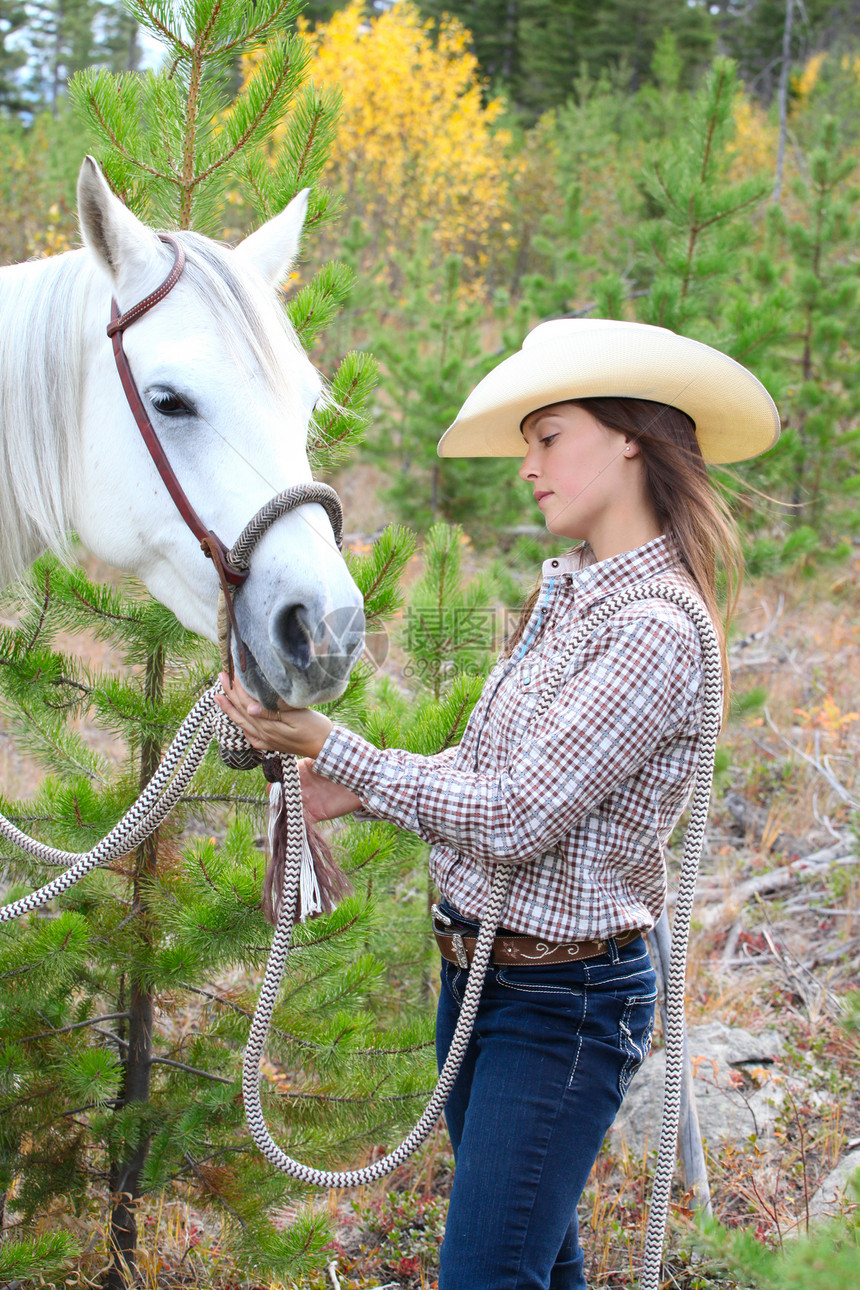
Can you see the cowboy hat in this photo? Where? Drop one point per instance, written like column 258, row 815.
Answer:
column 578, row 358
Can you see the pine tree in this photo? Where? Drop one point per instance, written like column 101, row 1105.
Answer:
column 627, row 32
column 534, row 49
column 700, row 221
column 494, row 29
column 433, row 354
column 821, row 395
column 61, row 39
column 13, row 16
column 53, row 40
column 752, row 34
column 554, row 43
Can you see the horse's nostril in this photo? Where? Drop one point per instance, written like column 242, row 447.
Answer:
column 291, row 635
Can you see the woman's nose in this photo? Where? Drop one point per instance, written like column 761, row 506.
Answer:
column 528, row 468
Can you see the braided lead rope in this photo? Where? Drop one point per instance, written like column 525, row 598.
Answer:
column 265, row 1007
column 172, row 777
column 471, row 999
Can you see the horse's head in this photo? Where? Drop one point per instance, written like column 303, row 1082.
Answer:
column 229, row 392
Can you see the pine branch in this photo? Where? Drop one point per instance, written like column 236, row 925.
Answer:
column 228, row 799
column 190, row 1070
column 45, row 602
column 244, row 1012
column 373, row 1097
column 103, row 613
column 329, row 936
column 99, row 116
column 148, row 17
column 78, row 1025
column 254, row 35
column 286, row 74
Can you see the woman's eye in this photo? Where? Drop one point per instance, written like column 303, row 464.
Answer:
column 549, row 438
column 169, row 404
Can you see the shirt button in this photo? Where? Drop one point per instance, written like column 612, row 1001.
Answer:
column 555, row 564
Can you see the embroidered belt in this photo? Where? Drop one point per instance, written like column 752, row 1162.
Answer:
column 522, row 951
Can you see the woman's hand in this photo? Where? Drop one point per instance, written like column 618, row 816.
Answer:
column 289, row 730
column 322, row 798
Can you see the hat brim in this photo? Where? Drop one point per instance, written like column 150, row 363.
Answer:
column 734, row 415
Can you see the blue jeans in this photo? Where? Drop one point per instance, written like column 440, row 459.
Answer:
column 552, row 1054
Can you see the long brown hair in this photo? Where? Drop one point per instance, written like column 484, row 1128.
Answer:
column 687, row 506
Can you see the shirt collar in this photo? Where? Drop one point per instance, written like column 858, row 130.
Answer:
column 593, row 582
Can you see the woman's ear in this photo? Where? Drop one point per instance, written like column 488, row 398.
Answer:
column 631, row 447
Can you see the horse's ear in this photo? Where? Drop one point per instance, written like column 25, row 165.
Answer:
column 118, row 241
column 272, row 249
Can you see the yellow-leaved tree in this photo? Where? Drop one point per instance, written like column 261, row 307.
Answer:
column 416, row 144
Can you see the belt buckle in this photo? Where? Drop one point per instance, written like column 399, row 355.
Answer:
column 460, row 951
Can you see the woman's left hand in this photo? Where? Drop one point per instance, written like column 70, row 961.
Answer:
column 289, row 730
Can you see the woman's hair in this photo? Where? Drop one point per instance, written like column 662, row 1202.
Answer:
column 687, row 505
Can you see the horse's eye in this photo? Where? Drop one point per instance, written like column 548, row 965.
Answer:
column 169, row 403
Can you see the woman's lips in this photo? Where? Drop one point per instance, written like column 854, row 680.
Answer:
column 539, row 496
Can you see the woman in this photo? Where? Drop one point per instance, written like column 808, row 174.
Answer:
column 613, row 422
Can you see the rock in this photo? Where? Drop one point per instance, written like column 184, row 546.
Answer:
column 835, row 1191
column 730, row 1111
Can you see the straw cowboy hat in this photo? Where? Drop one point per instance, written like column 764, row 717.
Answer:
column 578, row 358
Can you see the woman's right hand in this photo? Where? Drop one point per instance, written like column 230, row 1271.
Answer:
column 322, row 798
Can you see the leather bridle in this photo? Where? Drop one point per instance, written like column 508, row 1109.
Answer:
column 231, row 564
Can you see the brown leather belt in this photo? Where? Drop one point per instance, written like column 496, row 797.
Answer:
column 523, row 951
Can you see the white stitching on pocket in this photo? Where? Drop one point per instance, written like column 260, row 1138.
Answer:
column 537, row 988
column 634, row 1054
column 572, row 1074
column 632, row 968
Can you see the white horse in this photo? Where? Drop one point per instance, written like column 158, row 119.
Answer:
column 230, row 393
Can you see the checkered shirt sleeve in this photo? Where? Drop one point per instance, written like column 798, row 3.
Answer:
column 607, row 719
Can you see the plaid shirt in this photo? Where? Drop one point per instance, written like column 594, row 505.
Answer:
column 583, row 801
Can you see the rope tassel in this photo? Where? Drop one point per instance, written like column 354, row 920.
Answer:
column 322, row 882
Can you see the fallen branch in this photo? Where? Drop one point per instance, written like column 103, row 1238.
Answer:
column 775, row 880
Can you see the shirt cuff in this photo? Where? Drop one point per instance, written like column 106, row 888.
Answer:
column 349, row 760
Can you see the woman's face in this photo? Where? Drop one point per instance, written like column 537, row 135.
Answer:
column 588, row 481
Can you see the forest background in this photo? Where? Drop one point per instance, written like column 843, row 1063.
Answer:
column 685, row 164
column 500, row 164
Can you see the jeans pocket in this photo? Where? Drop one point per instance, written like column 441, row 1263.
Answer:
column 562, row 980
column 635, row 1030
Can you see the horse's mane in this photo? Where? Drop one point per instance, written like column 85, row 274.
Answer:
column 41, row 325
column 42, row 316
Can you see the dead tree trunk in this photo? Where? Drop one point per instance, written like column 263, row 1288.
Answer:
column 782, row 98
